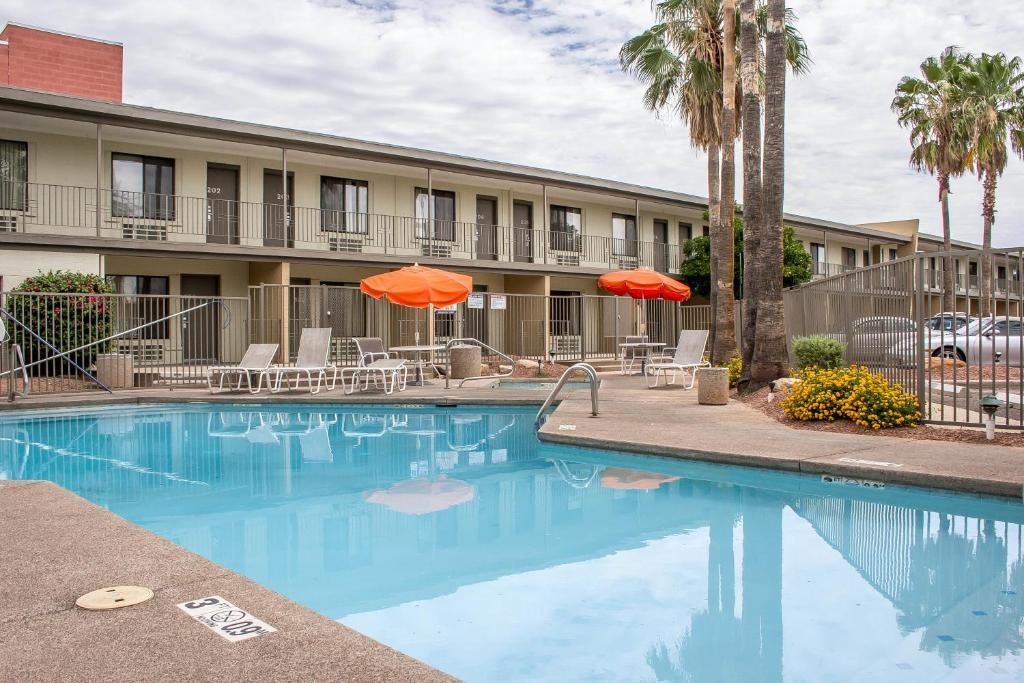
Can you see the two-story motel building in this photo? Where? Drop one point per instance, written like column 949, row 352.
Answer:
column 165, row 202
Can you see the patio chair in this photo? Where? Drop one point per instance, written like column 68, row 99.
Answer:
column 378, row 364
column 632, row 354
column 255, row 361
column 687, row 355
column 310, row 362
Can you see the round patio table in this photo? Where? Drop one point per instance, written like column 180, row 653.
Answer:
column 417, row 351
column 646, row 348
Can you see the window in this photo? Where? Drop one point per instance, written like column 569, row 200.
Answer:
column 139, row 310
column 566, row 228
column 143, row 187
column 849, row 257
column 624, row 235
column 866, row 257
column 444, row 215
column 685, row 232
column 1011, row 328
column 13, row 175
column 707, row 230
column 892, row 255
column 344, row 204
column 818, row 258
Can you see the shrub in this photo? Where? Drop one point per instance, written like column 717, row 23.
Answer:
column 80, row 317
column 818, row 352
column 735, row 365
column 853, row 393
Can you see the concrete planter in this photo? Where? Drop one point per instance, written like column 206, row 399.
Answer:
column 466, row 361
column 116, row 370
column 713, row 386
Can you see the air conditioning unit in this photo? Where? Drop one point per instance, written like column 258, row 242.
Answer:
column 627, row 261
column 140, row 231
column 436, row 250
column 8, row 224
column 567, row 259
column 345, row 244
column 143, row 352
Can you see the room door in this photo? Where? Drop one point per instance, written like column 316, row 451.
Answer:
column 200, row 329
column 486, row 232
column 522, row 239
column 278, row 223
column 221, row 204
column 661, row 246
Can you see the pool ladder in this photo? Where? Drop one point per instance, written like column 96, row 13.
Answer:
column 591, row 373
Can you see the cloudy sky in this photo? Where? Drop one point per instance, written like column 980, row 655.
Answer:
column 537, row 82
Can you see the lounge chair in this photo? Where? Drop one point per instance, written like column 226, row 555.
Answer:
column 310, row 362
column 376, row 363
column 255, row 361
column 631, row 354
column 687, row 355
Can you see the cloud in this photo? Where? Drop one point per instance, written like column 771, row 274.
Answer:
column 537, row 82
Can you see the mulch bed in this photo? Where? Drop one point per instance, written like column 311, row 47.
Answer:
column 759, row 401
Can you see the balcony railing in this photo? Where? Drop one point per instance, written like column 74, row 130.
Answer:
column 60, row 209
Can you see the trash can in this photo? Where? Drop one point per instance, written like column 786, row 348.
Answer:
column 466, row 361
column 116, row 370
column 713, row 386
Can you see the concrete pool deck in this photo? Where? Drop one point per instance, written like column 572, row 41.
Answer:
column 668, row 421
column 58, row 546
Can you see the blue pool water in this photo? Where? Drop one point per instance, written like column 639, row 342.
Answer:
column 457, row 537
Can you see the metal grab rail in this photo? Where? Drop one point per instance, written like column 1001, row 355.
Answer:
column 482, row 345
column 59, row 354
column 17, row 361
column 591, row 376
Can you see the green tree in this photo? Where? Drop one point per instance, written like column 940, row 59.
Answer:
column 931, row 107
column 994, row 107
column 696, row 269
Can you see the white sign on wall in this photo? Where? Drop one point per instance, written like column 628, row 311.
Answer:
column 475, row 301
column 498, row 302
column 225, row 619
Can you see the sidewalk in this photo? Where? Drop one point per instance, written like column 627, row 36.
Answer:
column 668, row 421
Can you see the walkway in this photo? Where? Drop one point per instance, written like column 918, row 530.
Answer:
column 668, row 421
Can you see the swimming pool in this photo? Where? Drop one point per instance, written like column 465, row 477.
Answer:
column 455, row 536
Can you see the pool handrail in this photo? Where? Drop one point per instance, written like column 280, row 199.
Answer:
column 482, row 345
column 591, row 374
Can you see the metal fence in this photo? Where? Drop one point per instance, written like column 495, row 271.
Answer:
column 897, row 319
column 123, row 340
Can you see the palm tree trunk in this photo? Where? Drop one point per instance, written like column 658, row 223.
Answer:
column 770, row 358
column 722, row 247
column 714, row 216
column 948, row 265
column 988, row 212
column 752, row 198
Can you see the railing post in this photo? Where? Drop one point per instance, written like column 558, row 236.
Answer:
column 99, row 179
column 919, row 317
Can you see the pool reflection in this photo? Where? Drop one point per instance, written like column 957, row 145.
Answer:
column 361, row 512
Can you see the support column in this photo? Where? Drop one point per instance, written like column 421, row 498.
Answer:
column 636, row 218
column 544, row 223
column 430, row 212
column 284, row 196
column 99, row 179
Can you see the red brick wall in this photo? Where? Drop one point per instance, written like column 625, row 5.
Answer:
column 39, row 60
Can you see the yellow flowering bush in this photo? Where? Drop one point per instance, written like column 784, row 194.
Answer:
column 735, row 365
column 853, row 393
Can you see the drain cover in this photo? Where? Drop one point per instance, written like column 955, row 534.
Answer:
column 114, row 597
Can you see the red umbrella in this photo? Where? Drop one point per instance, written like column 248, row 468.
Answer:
column 644, row 283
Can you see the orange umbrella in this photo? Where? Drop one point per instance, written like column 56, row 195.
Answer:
column 423, row 496
column 417, row 286
column 644, row 283
column 620, row 478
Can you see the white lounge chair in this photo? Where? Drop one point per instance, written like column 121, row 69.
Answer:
column 687, row 355
column 377, row 364
column 255, row 361
column 310, row 362
column 632, row 354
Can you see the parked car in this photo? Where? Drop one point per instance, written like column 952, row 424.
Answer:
column 947, row 322
column 872, row 339
column 984, row 340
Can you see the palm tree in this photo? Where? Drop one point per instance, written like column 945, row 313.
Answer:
column 931, row 107
column 750, row 115
column 722, row 242
column 994, row 107
column 769, row 359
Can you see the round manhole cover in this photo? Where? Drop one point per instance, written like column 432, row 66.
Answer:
column 113, row 597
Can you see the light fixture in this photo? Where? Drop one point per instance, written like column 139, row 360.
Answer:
column 989, row 405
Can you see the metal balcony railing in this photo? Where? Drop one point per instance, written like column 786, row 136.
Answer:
column 125, row 215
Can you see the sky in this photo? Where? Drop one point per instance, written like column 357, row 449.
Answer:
column 537, row 82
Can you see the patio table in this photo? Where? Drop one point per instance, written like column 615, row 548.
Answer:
column 417, row 351
column 645, row 348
